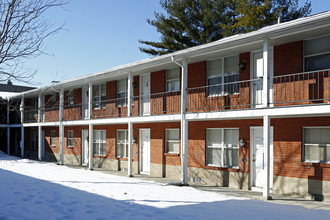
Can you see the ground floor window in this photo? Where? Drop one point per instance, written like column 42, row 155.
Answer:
column 70, row 138
column 99, row 142
column 317, row 145
column 222, row 147
column 53, row 138
column 172, row 139
column 122, row 143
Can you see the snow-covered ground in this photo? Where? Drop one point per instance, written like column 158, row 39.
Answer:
column 37, row 190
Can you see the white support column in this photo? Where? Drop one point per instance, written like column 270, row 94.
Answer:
column 184, row 123
column 22, row 128
column 130, row 125
column 90, row 147
column 266, row 131
column 61, row 128
column 265, row 93
column 90, row 100
column 39, row 129
column 8, row 128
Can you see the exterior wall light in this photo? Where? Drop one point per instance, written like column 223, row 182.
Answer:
column 134, row 85
column 242, row 65
column 242, row 143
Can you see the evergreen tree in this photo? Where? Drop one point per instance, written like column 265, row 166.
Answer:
column 188, row 23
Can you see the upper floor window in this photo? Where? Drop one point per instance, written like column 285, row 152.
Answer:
column 223, row 76
column 71, row 97
column 53, row 101
column 173, row 79
column 222, row 147
column 317, row 53
column 99, row 96
column 122, row 93
column 317, row 144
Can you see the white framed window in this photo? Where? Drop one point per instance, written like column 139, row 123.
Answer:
column 172, row 140
column 222, row 148
column 223, row 76
column 317, row 53
column 70, row 139
column 71, row 97
column 122, row 143
column 99, row 142
column 53, row 138
column 122, row 93
column 99, row 96
column 53, row 101
column 317, row 145
column 173, row 79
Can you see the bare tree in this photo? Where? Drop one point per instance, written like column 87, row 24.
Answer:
column 23, row 29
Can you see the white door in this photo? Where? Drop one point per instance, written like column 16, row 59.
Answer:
column 84, row 147
column 85, row 112
column 258, row 158
column 145, row 151
column 257, row 83
column 145, row 94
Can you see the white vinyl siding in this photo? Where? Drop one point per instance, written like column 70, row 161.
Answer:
column 99, row 96
column 70, row 137
column 99, row 142
column 172, row 140
column 317, row 53
column 173, row 80
column 222, row 148
column 317, row 145
column 122, row 143
column 122, row 93
column 221, row 76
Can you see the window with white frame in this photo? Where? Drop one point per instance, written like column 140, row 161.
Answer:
column 99, row 96
column 70, row 142
column 53, row 138
column 122, row 143
column 53, row 101
column 317, row 145
column 222, row 148
column 223, row 76
column 99, row 142
column 122, row 93
column 173, row 79
column 71, row 97
column 317, row 53
column 172, row 140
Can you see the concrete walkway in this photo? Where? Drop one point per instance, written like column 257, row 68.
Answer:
column 279, row 199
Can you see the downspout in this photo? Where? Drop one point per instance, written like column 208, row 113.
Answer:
column 184, row 122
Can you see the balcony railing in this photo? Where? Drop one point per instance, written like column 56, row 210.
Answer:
column 301, row 88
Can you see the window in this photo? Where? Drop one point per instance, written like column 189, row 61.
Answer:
column 222, row 147
column 172, row 138
column 99, row 96
column 70, row 138
column 317, row 144
column 122, row 93
column 122, row 143
column 173, row 80
column 99, row 142
column 53, row 101
column 71, row 97
column 222, row 76
column 52, row 138
column 317, row 54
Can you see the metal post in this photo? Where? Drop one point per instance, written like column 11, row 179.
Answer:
column 8, row 128
column 39, row 129
column 22, row 128
column 90, row 148
column 90, row 99
column 184, row 123
column 61, row 128
column 265, row 93
column 130, row 125
column 266, row 131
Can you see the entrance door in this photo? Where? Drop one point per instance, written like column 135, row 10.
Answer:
column 145, row 94
column 85, row 112
column 84, row 147
column 257, row 83
column 145, row 151
column 258, row 158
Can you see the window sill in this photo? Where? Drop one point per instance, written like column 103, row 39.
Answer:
column 217, row 166
column 172, row 154
column 69, row 146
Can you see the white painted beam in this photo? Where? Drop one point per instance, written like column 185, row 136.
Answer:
column 90, row 100
column 130, row 149
column 90, row 147
column 39, row 143
column 8, row 128
column 265, row 91
column 22, row 128
column 61, row 127
column 266, row 132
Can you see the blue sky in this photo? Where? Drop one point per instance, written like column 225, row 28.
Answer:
column 101, row 34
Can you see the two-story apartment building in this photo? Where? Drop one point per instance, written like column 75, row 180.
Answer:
column 249, row 111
